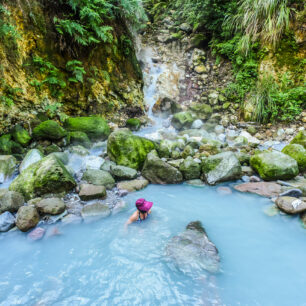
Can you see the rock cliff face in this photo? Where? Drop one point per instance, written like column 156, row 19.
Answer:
column 39, row 73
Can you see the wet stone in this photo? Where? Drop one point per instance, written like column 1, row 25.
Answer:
column 224, row 190
column 291, row 205
column 90, row 192
column 36, row 234
column 7, row 221
column 296, row 193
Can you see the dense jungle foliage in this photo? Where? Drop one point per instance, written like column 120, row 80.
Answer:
column 246, row 32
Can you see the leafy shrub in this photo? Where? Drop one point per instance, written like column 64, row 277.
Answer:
column 77, row 70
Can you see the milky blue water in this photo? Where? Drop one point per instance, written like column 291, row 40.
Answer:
column 262, row 257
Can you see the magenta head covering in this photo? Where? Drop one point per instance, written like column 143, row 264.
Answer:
column 143, row 205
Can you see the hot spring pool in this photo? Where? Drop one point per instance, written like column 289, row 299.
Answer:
column 262, row 257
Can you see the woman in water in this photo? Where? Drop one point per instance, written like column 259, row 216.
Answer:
column 142, row 213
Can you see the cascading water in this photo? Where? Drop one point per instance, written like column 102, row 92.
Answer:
column 101, row 263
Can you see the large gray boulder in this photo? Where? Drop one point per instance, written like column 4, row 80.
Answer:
column 159, row 172
column 48, row 175
column 51, row 206
column 95, row 211
column 221, row 167
column 192, row 251
column 31, row 157
column 27, row 218
column 291, row 205
column 123, row 173
column 274, row 165
column 90, row 192
column 190, row 168
column 7, row 167
column 99, row 177
column 133, row 185
column 7, row 221
column 10, row 201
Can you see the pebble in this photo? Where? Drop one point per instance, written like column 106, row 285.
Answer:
column 37, row 234
column 254, row 179
column 224, row 190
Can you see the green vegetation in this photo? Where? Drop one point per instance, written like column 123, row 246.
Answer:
column 77, row 71
column 89, row 22
column 51, row 77
column 9, row 94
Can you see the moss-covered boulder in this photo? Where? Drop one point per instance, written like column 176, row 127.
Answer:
column 300, row 139
column 127, row 149
column 10, row 201
column 7, row 167
column 8, row 146
column 202, row 111
column 221, row 167
column 297, row 152
column 48, row 175
column 79, row 138
column 182, row 120
column 190, row 168
column 95, row 127
column 49, row 130
column 21, row 135
column 133, row 124
column 274, row 165
column 159, row 172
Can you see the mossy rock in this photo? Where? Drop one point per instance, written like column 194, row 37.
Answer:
column 182, row 120
column 133, row 124
column 48, row 175
column 49, row 130
column 274, row 165
column 79, row 138
column 300, row 139
column 191, row 170
column 202, row 111
column 199, row 40
column 95, row 127
column 127, row 149
column 21, row 135
column 297, row 152
column 8, row 146
column 52, row 149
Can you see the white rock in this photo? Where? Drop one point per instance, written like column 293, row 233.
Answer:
column 219, row 129
column 197, row 124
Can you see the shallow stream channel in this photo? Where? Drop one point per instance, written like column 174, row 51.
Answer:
column 261, row 252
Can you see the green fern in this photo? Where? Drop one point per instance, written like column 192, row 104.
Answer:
column 77, row 70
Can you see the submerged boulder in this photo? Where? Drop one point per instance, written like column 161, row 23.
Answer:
column 7, row 221
column 265, row 189
column 221, row 167
column 95, row 127
column 7, row 167
column 297, row 152
column 159, row 172
column 193, row 251
column 10, row 201
column 99, row 177
column 127, row 149
column 95, row 211
column 49, row 130
column 274, row 165
column 27, row 218
column 300, row 139
column 48, row 175
column 31, row 157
